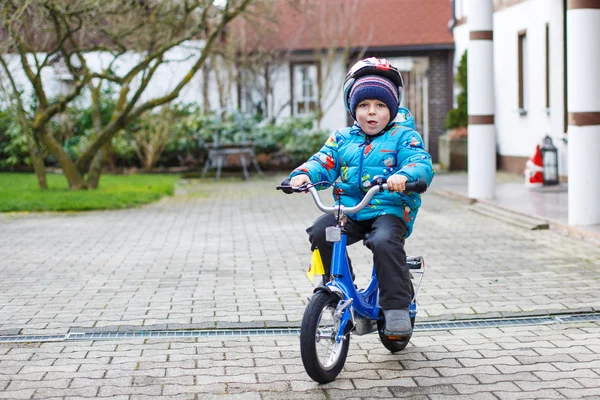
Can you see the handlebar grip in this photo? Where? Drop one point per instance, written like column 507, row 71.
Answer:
column 285, row 186
column 418, row 186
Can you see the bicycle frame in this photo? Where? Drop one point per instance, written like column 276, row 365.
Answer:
column 364, row 302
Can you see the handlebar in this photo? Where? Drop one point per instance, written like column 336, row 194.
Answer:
column 419, row 186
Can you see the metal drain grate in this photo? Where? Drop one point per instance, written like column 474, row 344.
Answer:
column 183, row 334
column 487, row 323
column 579, row 318
column 421, row 327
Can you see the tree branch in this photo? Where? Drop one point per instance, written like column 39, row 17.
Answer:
column 130, row 114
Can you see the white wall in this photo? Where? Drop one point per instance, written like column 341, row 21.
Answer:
column 334, row 111
column 165, row 79
column 281, row 84
column 518, row 134
column 335, row 114
column 461, row 42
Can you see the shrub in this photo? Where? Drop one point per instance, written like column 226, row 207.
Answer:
column 14, row 153
column 458, row 117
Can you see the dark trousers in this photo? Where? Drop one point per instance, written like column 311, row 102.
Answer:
column 386, row 241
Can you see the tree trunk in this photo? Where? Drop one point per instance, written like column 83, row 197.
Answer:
column 97, row 165
column 93, row 178
column 205, row 97
column 74, row 178
column 37, row 161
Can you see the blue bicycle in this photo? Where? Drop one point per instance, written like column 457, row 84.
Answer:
column 338, row 309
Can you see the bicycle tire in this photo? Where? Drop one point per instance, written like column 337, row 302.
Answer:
column 323, row 357
column 393, row 345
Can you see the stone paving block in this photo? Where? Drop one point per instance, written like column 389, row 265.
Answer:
column 91, row 365
column 555, row 384
column 516, row 353
column 511, row 369
column 408, row 392
column 576, row 374
column 445, row 380
column 97, row 360
column 17, row 394
column 322, row 394
column 398, row 382
column 579, row 393
column 534, row 395
column 592, row 364
column 66, row 392
column 193, row 396
column 387, row 374
column 584, row 357
column 200, row 389
column 572, row 350
column 562, row 357
column 592, row 382
column 472, row 396
column 150, row 390
column 87, row 382
column 33, row 376
column 275, row 370
column 494, row 378
column 280, row 387
column 486, row 388
column 47, row 367
column 309, row 385
column 497, row 362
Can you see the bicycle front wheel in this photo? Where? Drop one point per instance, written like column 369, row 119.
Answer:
column 323, row 357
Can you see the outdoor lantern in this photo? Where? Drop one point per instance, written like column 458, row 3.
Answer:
column 549, row 162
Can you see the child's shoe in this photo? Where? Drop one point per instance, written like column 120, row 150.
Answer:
column 397, row 322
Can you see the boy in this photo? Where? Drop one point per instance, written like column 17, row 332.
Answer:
column 375, row 145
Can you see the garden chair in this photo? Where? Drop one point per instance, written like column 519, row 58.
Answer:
column 219, row 152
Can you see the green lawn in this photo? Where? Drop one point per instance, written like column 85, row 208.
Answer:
column 20, row 192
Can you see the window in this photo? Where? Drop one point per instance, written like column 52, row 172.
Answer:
column 547, row 68
column 66, row 84
column 523, row 72
column 305, row 88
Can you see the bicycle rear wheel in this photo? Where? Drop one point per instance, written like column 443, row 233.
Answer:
column 323, row 357
column 393, row 345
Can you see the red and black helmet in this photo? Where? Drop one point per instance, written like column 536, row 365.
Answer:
column 372, row 66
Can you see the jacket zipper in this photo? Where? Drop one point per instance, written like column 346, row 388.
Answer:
column 360, row 169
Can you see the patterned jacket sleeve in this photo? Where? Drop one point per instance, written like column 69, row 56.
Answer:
column 413, row 160
column 323, row 165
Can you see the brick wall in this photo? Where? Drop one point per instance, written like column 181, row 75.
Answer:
column 440, row 89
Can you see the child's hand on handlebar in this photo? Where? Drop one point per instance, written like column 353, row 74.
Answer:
column 397, row 183
column 299, row 180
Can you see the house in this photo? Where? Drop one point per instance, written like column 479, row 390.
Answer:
column 310, row 45
column 535, row 66
column 292, row 58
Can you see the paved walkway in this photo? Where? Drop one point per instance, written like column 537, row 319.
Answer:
column 234, row 255
column 549, row 203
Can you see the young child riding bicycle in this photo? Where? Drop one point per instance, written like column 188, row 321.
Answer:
column 382, row 142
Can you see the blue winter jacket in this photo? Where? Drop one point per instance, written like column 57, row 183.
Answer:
column 356, row 158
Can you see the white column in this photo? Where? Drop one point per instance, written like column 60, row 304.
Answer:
column 480, row 71
column 583, row 103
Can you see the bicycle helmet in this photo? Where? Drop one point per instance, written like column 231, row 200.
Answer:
column 373, row 66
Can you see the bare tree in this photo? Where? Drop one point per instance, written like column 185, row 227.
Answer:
column 335, row 28
column 331, row 29
column 245, row 59
column 42, row 34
